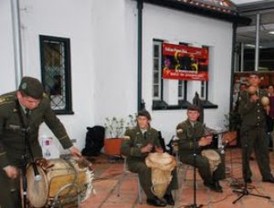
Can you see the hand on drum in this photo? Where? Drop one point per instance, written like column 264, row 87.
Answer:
column 75, row 152
column 147, row 148
column 159, row 149
column 205, row 141
column 11, row 171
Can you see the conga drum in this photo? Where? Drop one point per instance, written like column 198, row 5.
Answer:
column 161, row 165
column 213, row 157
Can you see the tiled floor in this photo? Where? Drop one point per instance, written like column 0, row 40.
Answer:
column 108, row 173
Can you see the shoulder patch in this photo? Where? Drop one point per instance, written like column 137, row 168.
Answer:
column 2, row 99
column 126, row 137
column 179, row 130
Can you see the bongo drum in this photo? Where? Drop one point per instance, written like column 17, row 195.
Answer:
column 63, row 182
column 213, row 158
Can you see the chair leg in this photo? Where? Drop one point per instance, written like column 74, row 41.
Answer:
column 119, row 183
column 139, row 191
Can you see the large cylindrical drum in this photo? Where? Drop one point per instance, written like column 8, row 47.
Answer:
column 63, row 182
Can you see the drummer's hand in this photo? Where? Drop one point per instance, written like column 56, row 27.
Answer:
column 159, row 149
column 267, row 109
column 147, row 148
column 209, row 138
column 204, row 141
column 11, row 171
column 75, row 151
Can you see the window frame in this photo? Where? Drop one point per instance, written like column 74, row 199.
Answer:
column 67, row 70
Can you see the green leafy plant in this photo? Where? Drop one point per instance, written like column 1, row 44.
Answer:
column 115, row 127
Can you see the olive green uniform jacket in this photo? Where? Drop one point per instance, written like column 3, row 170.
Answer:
column 131, row 148
column 188, row 142
column 12, row 140
column 253, row 133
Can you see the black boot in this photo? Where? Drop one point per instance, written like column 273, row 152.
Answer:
column 218, row 187
column 169, row 199
column 155, row 201
column 213, row 187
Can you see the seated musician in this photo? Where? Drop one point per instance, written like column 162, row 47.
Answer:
column 139, row 142
column 192, row 136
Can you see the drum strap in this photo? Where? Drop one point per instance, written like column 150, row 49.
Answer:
column 24, row 122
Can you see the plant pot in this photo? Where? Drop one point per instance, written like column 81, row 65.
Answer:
column 112, row 146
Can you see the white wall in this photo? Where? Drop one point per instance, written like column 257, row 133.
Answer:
column 115, row 49
column 7, row 77
column 176, row 26
column 103, row 35
column 62, row 18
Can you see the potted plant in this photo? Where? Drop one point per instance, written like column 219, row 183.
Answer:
column 115, row 128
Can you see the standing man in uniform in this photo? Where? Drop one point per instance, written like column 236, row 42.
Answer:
column 192, row 136
column 20, row 111
column 253, row 113
column 139, row 142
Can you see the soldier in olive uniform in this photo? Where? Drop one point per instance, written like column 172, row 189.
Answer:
column 192, row 137
column 139, row 142
column 253, row 129
column 14, row 152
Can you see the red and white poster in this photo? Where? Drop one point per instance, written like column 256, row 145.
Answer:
column 185, row 62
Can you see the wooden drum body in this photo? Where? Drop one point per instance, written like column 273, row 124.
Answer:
column 62, row 182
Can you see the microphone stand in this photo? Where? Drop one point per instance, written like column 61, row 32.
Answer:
column 194, row 205
column 244, row 191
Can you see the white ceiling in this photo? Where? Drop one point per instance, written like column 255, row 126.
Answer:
column 247, row 34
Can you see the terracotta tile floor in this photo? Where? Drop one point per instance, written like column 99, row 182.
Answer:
column 107, row 174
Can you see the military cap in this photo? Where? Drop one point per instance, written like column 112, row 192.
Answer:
column 254, row 73
column 144, row 113
column 193, row 108
column 31, row 87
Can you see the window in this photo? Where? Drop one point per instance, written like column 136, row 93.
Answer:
column 157, row 68
column 163, row 90
column 180, row 90
column 56, row 77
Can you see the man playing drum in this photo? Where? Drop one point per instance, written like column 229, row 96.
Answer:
column 192, row 136
column 139, row 142
column 14, row 107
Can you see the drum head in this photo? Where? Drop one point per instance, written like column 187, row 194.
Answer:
column 37, row 191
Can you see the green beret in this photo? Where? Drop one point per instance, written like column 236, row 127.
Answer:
column 254, row 73
column 144, row 113
column 31, row 87
column 193, row 108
